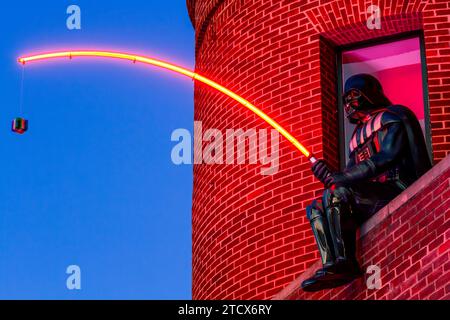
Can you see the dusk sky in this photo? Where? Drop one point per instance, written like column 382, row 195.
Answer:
column 92, row 182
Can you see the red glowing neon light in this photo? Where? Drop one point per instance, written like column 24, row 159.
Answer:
column 183, row 71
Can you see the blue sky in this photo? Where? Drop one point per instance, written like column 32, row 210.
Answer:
column 92, row 182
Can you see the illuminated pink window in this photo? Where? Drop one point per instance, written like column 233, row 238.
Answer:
column 399, row 66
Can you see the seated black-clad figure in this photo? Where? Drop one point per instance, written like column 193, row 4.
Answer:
column 387, row 154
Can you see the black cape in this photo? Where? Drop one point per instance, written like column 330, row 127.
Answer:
column 417, row 146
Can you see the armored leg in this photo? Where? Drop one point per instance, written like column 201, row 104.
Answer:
column 342, row 224
column 341, row 238
column 321, row 231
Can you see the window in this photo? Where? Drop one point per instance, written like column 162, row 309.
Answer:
column 399, row 66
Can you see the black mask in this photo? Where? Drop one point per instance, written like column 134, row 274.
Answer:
column 363, row 95
column 357, row 106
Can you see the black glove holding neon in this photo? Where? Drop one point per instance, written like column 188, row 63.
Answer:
column 359, row 172
column 321, row 170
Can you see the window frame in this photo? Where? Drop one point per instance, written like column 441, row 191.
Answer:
column 368, row 43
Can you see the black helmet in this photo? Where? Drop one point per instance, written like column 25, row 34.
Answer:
column 363, row 94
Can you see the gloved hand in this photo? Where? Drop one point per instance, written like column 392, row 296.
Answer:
column 321, row 171
column 324, row 174
column 334, row 179
column 360, row 172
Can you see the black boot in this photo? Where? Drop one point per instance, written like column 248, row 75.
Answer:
column 321, row 231
column 342, row 234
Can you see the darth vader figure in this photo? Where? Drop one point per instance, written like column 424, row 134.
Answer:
column 387, row 154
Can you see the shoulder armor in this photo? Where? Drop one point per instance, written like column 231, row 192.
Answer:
column 389, row 117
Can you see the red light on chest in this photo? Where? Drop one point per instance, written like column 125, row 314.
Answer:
column 364, row 154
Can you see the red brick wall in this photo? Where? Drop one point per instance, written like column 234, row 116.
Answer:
column 250, row 235
column 410, row 245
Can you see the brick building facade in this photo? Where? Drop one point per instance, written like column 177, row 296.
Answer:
column 250, row 236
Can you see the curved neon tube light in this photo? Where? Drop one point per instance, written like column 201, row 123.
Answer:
column 183, row 71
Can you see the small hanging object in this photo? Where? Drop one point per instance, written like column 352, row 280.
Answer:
column 19, row 125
